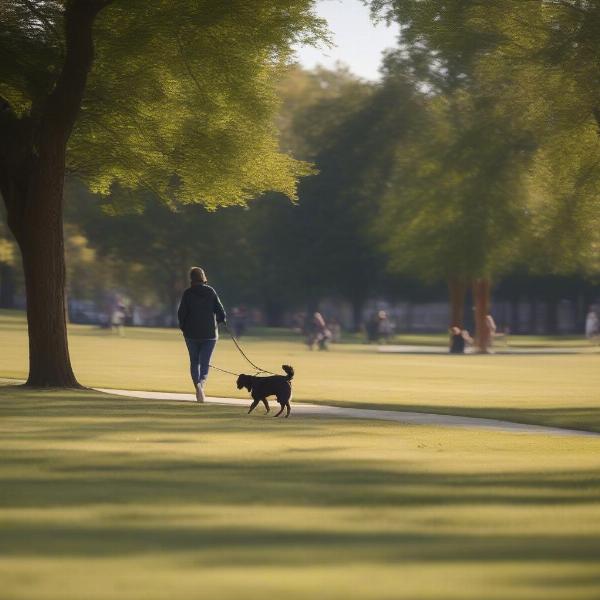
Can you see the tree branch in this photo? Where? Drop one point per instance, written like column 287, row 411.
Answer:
column 64, row 101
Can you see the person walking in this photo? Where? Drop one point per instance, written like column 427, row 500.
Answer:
column 199, row 312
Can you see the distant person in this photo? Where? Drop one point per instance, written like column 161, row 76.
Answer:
column 385, row 328
column 490, row 325
column 491, row 330
column 199, row 312
column 592, row 325
column 459, row 338
column 318, row 333
column 117, row 317
column 379, row 327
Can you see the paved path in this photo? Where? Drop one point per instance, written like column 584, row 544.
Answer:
column 411, row 418
column 498, row 349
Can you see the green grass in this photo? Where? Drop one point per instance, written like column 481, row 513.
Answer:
column 560, row 390
column 512, row 341
column 438, row 339
column 118, row 499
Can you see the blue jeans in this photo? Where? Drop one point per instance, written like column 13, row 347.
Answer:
column 200, row 353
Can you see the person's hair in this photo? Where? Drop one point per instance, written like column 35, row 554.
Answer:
column 197, row 275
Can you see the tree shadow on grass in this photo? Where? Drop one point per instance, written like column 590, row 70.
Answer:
column 82, row 414
column 123, row 478
column 143, row 499
column 251, row 545
column 132, row 497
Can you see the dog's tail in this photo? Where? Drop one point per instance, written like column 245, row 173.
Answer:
column 289, row 370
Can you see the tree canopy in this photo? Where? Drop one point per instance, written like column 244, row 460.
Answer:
column 180, row 98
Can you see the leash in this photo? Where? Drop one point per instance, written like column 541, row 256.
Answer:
column 223, row 370
column 237, row 345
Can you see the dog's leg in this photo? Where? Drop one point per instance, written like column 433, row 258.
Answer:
column 264, row 401
column 280, row 411
column 288, row 409
column 253, row 406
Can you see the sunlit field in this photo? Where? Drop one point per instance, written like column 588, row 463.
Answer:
column 561, row 389
column 104, row 498
column 303, row 152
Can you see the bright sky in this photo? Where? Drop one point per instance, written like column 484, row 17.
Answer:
column 359, row 43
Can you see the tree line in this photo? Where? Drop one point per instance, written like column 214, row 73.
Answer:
column 427, row 176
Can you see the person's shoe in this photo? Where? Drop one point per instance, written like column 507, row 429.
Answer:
column 199, row 392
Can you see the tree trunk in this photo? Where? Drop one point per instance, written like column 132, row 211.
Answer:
column 7, row 286
column 481, row 297
column 32, row 170
column 42, row 247
column 457, row 289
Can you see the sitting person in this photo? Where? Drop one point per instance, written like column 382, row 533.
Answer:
column 459, row 338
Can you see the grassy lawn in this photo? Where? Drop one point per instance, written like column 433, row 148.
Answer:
column 561, row 390
column 104, row 498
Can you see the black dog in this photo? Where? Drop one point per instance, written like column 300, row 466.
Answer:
column 262, row 387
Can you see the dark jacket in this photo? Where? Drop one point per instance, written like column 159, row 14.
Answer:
column 199, row 312
column 457, row 344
